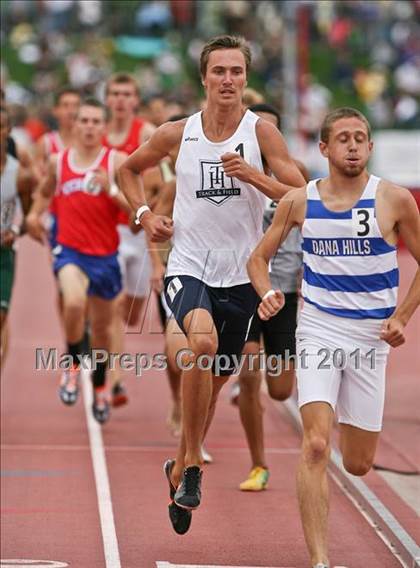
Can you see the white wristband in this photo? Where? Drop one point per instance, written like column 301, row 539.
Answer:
column 140, row 212
column 267, row 294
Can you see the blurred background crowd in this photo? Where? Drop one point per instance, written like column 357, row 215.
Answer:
column 364, row 54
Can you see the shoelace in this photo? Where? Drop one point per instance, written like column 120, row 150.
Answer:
column 192, row 478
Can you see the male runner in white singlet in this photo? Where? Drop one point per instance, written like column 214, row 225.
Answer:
column 217, row 221
column 350, row 223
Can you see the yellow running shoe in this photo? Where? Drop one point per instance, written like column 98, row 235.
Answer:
column 257, row 480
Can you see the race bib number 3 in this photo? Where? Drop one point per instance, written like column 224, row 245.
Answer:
column 362, row 222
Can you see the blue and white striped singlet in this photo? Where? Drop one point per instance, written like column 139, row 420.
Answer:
column 349, row 269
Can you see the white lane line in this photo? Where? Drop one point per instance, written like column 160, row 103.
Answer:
column 32, row 563
column 395, row 537
column 136, row 448
column 42, row 448
column 106, row 515
column 162, row 564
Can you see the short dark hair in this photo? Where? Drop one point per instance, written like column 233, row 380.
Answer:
column 337, row 114
column 122, row 78
column 65, row 91
column 92, row 102
column 224, row 42
column 269, row 109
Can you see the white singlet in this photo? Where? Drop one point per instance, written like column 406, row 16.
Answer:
column 217, row 219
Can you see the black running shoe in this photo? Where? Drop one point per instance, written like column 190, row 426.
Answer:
column 188, row 494
column 180, row 518
column 100, row 407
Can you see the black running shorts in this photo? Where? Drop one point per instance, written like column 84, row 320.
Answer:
column 279, row 331
column 231, row 310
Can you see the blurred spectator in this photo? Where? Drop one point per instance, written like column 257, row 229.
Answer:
column 90, row 12
column 183, row 12
column 156, row 109
column 370, row 84
column 315, row 102
column 18, row 117
column 159, row 109
column 56, row 15
column 407, row 76
column 407, row 111
column 154, row 17
column 364, row 54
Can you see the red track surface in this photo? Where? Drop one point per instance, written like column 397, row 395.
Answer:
column 49, row 503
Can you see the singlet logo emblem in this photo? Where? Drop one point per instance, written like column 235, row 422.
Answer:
column 216, row 187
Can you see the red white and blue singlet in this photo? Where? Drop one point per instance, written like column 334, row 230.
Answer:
column 87, row 216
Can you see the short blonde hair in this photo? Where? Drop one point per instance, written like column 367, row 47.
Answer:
column 252, row 97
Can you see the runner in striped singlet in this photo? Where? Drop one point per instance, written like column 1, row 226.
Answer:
column 350, row 223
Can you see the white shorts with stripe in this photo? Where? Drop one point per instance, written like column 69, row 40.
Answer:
column 134, row 260
column 342, row 361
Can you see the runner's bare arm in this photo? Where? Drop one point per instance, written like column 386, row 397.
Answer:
column 41, row 199
column 44, row 192
column 26, row 182
column 114, row 190
column 164, row 165
column 152, row 185
column 162, row 143
column 274, row 150
column 164, row 206
column 165, row 200
column 146, row 132
column 149, row 154
column 26, row 160
column 108, row 182
column 154, row 188
column 289, row 213
column 40, row 155
column 408, row 226
column 303, row 170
